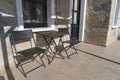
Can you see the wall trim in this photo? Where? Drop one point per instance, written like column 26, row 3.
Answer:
column 82, row 19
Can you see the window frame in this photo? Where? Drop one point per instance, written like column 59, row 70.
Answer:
column 44, row 12
column 115, row 16
column 50, row 17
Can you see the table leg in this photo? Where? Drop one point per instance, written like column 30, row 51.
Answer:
column 48, row 43
column 57, row 52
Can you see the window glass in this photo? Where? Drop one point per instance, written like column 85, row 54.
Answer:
column 34, row 13
column 117, row 13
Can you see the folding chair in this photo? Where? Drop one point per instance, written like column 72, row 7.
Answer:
column 71, row 41
column 24, row 55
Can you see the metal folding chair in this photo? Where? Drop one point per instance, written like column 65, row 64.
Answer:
column 24, row 55
column 71, row 41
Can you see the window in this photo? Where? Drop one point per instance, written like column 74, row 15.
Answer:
column 117, row 14
column 34, row 13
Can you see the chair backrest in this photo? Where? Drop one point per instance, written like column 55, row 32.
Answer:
column 22, row 35
column 18, row 37
column 63, row 30
column 66, row 31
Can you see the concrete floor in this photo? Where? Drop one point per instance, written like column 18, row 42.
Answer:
column 92, row 63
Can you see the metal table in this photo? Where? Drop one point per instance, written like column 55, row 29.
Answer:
column 52, row 35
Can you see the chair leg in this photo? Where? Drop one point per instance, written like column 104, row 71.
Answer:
column 17, row 65
column 65, row 51
column 35, row 57
column 15, row 62
column 23, row 71
column 47, row 58
column 42, row 61
column 67, row 54
column 61, row 55
column 74, row 48
column 53, row 57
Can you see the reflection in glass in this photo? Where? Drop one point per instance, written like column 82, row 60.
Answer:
column 34, row 11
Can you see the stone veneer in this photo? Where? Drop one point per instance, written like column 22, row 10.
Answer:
column 97, row 21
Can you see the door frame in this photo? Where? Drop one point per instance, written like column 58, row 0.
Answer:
column 82, row 18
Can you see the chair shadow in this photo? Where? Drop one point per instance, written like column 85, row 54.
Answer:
column 112, row 61
column 29, row 61
column 115, row 62
column 65, row 49
column 71, row 54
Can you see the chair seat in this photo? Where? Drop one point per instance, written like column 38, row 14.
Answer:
column 31, row 51
column 71, row 41
column 22, row 58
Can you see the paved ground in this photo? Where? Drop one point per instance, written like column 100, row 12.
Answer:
column 92, row 63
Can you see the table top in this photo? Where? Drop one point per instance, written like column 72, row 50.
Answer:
column 53, row 33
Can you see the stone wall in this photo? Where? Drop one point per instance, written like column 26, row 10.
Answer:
column 97, row 21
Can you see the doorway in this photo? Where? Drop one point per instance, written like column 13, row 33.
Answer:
column 75, row 19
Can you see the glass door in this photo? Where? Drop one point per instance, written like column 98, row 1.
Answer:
column 75, row 19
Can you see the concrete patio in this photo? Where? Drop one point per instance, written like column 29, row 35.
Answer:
column 92, row 63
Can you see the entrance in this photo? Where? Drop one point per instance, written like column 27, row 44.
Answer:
column 75, row 19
